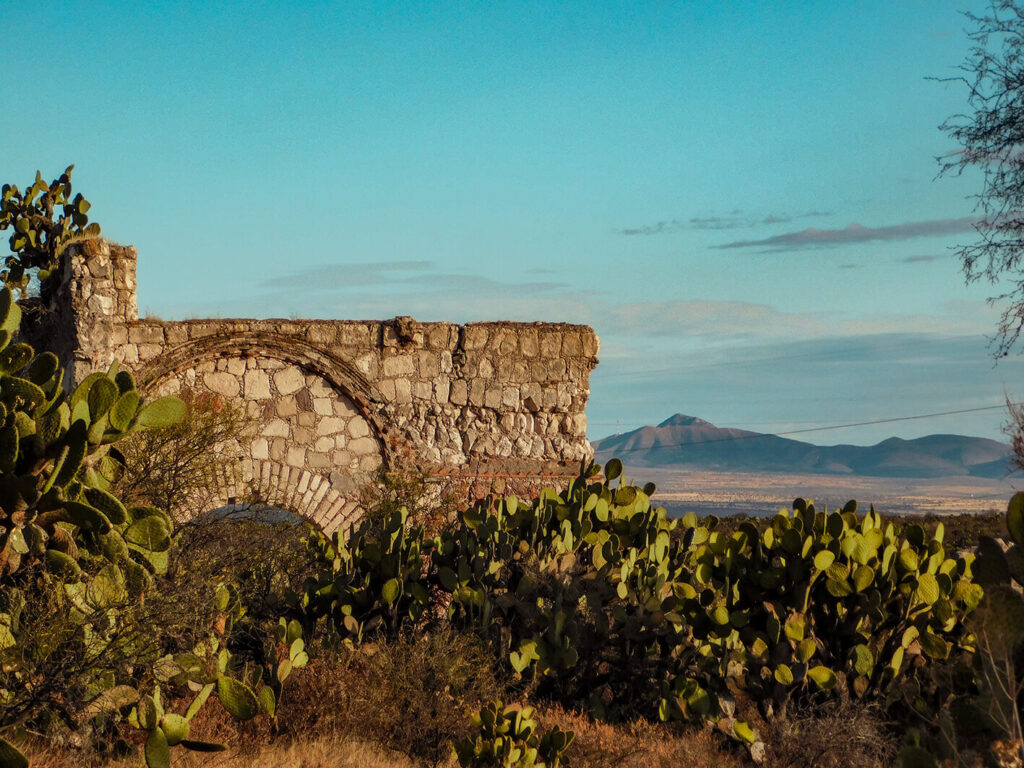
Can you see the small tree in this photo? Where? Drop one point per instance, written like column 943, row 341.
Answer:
column 180, row 468
column 1014, row 429
column 991, row 138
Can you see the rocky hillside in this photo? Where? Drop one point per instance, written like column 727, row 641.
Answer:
column 689, row 442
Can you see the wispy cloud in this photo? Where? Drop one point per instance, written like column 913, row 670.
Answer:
column 855, row 233
column 922, row 258
column 719, row 222
column 733, row 220
column 716, row 323
column 330, row 277
column 659, row 228
column 422, row 276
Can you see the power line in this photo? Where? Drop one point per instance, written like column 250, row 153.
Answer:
column 734, row 438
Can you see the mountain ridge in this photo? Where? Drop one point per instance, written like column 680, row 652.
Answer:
column 683, row 441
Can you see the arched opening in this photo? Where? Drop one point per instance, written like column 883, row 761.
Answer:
column 315, row 440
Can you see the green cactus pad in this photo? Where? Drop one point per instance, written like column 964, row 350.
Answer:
column 16, row 357
column 268, row 701
column 150, row 533
column 237, row 698
column 111, row 700
column 158, row 751
column 161, row 413
column 927, row 588
column 15, row 390
column 62, row 566
column 11, row 756
column 10, row 312
column 124, row 381
column 612, row 469
column 86, row 517
column 43, row 368
column 1015, row 518
column 123, row 410
column 203, row 746
column 175, row 728
column 108, row 504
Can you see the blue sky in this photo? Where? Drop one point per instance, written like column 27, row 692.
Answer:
column 740, row 198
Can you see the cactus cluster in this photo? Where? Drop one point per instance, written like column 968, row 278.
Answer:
column 985, row 700
column 373, row 581
column 209, row 668
column 599, row 599
column 818, row 598
column 58, row 519
column 57, row 463
column 38, row 238
column 507, row 737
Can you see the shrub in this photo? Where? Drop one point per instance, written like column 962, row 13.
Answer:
column 409, row 693
column 428, row 500
column 181, row 467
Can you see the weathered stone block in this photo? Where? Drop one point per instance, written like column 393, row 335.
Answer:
column 277, row 428
column 358, row 427
column 331, row 425
column 550, row 344
column 289, row 380
column 296, row 456
column 474, row 337
column 363, row 446
column 459, row 392
column 257, row 385
column 222, row 383
column 399, row 365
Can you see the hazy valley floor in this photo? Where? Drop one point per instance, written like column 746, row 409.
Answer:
column 762, row 494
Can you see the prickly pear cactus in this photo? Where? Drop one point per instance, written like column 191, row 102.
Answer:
column 370, row 583
column 39, row 238
column 58, row 519
column 507, row 737
column 819, row 597
column 57, row 462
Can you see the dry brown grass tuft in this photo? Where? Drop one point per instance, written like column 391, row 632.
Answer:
column 321, row 753
column 641, row 744
column 837, row 735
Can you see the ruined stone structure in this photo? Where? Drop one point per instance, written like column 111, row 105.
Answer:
column 497, row 405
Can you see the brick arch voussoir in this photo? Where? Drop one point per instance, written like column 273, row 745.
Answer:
column 339, row 373
column 309, row 495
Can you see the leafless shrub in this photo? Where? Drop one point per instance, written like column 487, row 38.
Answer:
column 431, row 501
column 837, row 734
column 180, row 468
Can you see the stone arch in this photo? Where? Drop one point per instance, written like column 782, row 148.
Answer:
column 319, row 435
column 300, row 491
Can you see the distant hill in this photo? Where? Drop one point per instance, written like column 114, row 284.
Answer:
column 688, row 442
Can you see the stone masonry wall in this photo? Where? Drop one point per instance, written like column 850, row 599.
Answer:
column 338, row 398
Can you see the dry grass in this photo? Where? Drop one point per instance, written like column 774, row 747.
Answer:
column 834, row 735
column 321, row 753
column 840, row 737
column 640, row 744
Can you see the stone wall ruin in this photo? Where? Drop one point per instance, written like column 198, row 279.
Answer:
column 499, row 406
